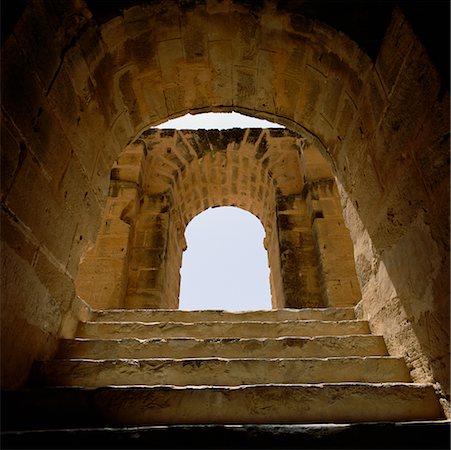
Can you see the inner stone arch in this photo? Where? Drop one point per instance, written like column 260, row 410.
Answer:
column 167, row 177
column 225, row 265
column 193, row 171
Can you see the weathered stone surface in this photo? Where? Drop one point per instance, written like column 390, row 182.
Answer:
column 177, row 174
column 221, row 371
column 171, row 315
column 221, row 329
column 397, row 435
column 273, row 379
column 286, row 347
column 144, row 405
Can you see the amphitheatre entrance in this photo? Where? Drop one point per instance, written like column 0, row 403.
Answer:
column 168, row 177
column 225, row 265
column 102, row 226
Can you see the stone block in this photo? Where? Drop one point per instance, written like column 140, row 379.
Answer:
column 35, row 32
column 77, row 70
column 266, row 78
column 136, row 21
column 102, row 282
column 194, row 39
column 148, row 299
column 311, row 92
column 16, row 335
column 126, row 173
column 244, row 88
column 30, row 313
column 153, row 96
column 58, row 282
column 91, row 46
column 395, row 47
column 41, row 209
column 114, row 226
column 128, row 95
column 295, row 63
column 86, row 135
column 64, row 100
column 169, row 52
column 431, row 147
column 149, row 279
column 335, row 88
column 113, row 32
column 245, row 27
column 166, row 21
column 144, row 257
column 105, row 80
column 18, row 238
column 219, row 52
column 78, row 194
column 286, row 100
column 114, row 246
column 12, row 154
column 33, row 116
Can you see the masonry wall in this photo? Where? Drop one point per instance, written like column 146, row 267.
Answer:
column 75, row 94
column 396, row 203
column 168, row 177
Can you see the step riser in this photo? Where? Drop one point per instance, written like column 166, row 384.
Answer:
column 222, row 372
column 333, row 314
column 220, row 329
column 321, row 347
column 407, row 435
column 140, row 406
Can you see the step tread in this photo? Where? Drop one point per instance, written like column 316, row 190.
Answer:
column 411, row 435
column 215, row 322
column 207, row 315
column 316, row 346
column 263, row 403
column 221, row 311
column 150, row 361
column 221, row 358
column 223, row 371
column 223, row 328
column 344, row 384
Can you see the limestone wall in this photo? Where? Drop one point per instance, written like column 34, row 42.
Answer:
column 74, row 94
column 167, row 177
column 396, row 203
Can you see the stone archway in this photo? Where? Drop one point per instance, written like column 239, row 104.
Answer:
column 89, row 90
column 167, row 177
column 225, row 262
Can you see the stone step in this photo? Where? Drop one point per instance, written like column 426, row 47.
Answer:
column 288, row 347
column 220, row 371
column 221, row 329
column 143, row 405
column 411, row 435
column 174, row 315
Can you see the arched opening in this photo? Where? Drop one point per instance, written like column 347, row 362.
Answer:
column 225, row 265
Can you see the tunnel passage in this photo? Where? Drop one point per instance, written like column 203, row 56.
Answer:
column 78, row 90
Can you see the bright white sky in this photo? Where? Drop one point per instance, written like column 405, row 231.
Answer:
column 216, row 121
column 225, row 265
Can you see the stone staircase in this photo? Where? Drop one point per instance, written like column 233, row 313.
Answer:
column 160, row 367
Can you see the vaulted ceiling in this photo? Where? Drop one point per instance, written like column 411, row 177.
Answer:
column 364, row 21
